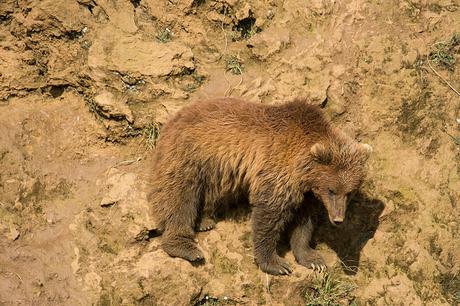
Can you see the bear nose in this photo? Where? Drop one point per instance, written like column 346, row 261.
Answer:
column 338, row 220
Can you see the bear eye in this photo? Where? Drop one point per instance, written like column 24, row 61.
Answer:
column 332, row 192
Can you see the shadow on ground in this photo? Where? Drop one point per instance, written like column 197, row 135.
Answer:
column 347, row 240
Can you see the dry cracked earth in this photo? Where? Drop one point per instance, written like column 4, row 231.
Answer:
column 85, row 86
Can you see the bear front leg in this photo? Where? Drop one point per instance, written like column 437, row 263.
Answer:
column 300, row 245
column 207, row 220
column 267, row 226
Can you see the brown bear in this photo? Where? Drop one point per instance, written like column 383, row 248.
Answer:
column 274, row 154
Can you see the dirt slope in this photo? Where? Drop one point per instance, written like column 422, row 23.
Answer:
column 86, row 84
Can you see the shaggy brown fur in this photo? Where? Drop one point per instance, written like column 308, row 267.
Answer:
column 272, row 153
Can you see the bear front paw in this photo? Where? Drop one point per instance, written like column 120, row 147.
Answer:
column 275, row 265
column 206, row 224
column 312, row 260
column 183, row 247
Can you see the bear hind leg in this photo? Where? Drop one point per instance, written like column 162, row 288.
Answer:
column 178, row 236
column 182, row 247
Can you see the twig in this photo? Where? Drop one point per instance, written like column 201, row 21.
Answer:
column 225, row 53
column 455, row 139
column 225, row 35
column 268, row 283
column 127, row 162
column 440, row 76
column 353, row 269
column 230, row 88
column 123, row 163
column 13, row 273
column 19, row 277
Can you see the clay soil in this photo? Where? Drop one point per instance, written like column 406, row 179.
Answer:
column 86, row 84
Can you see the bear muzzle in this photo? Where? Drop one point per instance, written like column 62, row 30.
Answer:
column 337, row 220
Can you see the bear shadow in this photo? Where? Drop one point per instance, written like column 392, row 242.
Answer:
column 348, row 239
column 234, row 208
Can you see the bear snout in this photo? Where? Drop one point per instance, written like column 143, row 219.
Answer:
column 337, row 220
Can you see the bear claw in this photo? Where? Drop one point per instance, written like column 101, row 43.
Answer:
column 276, row 266
column 312, row 260
column 206, row 224
column 318, row 267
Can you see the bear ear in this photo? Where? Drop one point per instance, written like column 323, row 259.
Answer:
column 365, row 149
column 321, row 153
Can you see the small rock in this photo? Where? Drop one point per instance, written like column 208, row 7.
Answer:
column 122, row 189
column 265, row 44
column 389, row 208
column 337, row 109
column 113, row 107
column 410, row 57
column 92, row 282
column 108, row 201
column 13, row 234
column 75, row 264
column 135, row 55
column 338, row 70
column 336, row 106
column 318, row 89
column 215, row 16
column 18, row 205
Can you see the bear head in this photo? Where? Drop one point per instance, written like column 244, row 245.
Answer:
column 339, row 171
